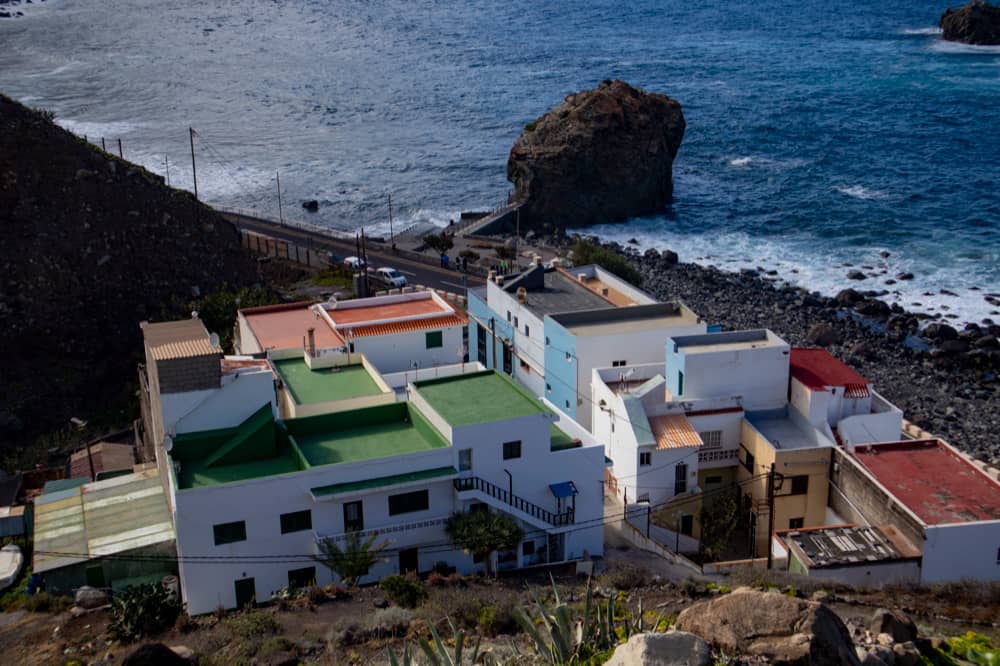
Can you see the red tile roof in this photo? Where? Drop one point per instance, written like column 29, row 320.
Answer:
column 937, row 484
column 405, row 326
column 818, row 368
column 370, row 313
column 285, row 326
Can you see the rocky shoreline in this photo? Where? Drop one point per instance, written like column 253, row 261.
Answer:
column 945, row 380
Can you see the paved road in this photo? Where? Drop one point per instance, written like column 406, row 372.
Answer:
column 416, row 272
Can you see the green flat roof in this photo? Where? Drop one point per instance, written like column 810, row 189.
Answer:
column 479, row 397
column 381, row 482
column 365, row 443
column 309, row 386
column 560, row 440
column 197, row 475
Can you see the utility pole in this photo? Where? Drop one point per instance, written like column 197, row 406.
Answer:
column 392, row 236
column 770, row 512
column 166, row 161
column 103, row 147
column 194, row 168
column 281, row 217
column 120, row 153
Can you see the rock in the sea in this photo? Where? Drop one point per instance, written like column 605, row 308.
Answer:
column 976, row 23
column 603, row 155
column 311, row 205
column 779, row 628
column 856, row 275
column 671, row 648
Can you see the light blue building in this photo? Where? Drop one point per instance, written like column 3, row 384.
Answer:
column 548, row 328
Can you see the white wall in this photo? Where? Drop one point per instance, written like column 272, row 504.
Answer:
column 247, row 341
column 225, row 407
column 759, row 375
column 530, row 347
column 398, row 352
column 962, row 550
column 814, row 405
column 871, row 575
column 729, row 424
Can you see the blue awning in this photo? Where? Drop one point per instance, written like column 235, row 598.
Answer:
column 564, row 489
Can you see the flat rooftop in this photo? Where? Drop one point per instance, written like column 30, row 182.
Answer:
column 309, row 386
column 786, row 434
column 368, row 310
column 287, row 326
column 818, row 368
column 728, row 341
column 933, row 481
column 551, row 291
column 847, row 545
column 479, row 397
column 608, row 321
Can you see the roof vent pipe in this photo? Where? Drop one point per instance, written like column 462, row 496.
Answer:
column 537, row 260
column 522, row 295
column 499, row 280
column 312, row 341
column 491, row 275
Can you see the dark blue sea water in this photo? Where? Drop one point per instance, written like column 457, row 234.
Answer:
column 818, row 134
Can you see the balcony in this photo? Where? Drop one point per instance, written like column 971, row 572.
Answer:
column 718, row 455
column 387, row 529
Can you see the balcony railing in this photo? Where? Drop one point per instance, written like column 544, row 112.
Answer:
column 388, row 529
column 717, row 455
column 519, row 503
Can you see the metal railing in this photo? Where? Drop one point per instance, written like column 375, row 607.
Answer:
column 519, row 503
column 388, row 529
column 716, row 455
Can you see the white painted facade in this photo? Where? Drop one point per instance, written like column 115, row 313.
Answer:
column 407, row 351
column 961, row 551
column 858, row 420
column 240, row 394
column 528, row 343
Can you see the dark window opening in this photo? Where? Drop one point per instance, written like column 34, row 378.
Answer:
column 296, row 522
column 230, row 532
column 800, row 484
column 354, row 517
column 645, row 458
column 434, row 339
column 511, row 450
column 796, row 523
column 409, row 502
column 680, row 479
column 300, row 578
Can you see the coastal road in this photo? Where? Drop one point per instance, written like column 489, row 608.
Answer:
column 416, row 272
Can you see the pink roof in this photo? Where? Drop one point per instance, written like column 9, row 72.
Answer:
column 933, row 481
column 285, row 326
column 818, row 368
column 373, row 313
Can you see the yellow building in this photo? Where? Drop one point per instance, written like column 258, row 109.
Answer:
column 800, row 456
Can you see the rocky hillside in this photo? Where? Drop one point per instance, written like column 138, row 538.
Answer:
column 91, row 246
column 603, row 155
column 976, row 23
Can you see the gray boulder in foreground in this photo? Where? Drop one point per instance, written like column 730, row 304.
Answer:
column 782, row 629
column 671, row 648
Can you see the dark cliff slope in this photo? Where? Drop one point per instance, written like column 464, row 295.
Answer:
column 90, row 246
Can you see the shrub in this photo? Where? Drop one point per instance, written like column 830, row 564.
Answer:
column 185, row 623
column 457, row 580
column 275, row 644
column 406, row 591
column 142, row 610
column 436, row 580
column 43, row 602
column 389, row 622
column 461, row 607
column 253, row 624
column 316, row 595
column 488, row 620
column 628, row 577
column 347, row 632
column 586, row 251
column 14, row 598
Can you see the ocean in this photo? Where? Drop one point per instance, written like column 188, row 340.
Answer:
column 820, row 136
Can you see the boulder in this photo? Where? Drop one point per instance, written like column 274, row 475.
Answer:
column 779, row 628
column 89, row 597
column 602, row 155
column 896, row 624
column 978, row 22
column 872, row 307
column 154, row 654
column 939, row 332
column 822, row 334
column 672, row 648
column 848, row 297
column 311, row 205
column 856, row 275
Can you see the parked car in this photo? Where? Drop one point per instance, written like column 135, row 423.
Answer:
column 354, row 263
column 391, row 276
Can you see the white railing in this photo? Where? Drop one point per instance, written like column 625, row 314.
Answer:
column 388, row 529
column 716, row 455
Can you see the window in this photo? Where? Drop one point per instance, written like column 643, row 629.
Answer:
column 409, row 502
column 998, row 555
column 547, row 343
column 800, row 485
column 796, row 523
column 712, row 480
column 515, row 323
column 687, row 525
column 508, row 360
column 528, row 548
column 300, row 578
column 748, row 461
column 296, row 522
column 567, row 404
column 548, row 388
column 617, row 364
column 569, row 357
column 525, row 368
column 711, row 438
column 350, row 347
column 464, row 460
column 354, row 516
column 511, row 450
column 508, row 315
column 680, row 383
column 643, row 497
column 434, row 339
column 680, row 479
column 481, row 344
column 230, row 532
column 527, row 331
column 645, row 458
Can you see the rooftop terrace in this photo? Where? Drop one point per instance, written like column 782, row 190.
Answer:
column 310, row 386
column 479, row 397
column 728, row 341
column 785, row 433
column 550, row 291
column 618, row 320
column 936, row 483
column 286, row 326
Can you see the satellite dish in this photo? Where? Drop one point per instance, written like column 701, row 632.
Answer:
column 168, row 443
column 213, row 339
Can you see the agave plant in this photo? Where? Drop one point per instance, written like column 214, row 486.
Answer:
column 438, row 654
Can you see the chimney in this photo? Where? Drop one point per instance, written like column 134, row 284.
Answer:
column 522, row 295
column 491, row 276
column 499, row 280
column 312, row 341
column 537, row 260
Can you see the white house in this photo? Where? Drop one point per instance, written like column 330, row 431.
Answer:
column 461, row 442
column 395, row 333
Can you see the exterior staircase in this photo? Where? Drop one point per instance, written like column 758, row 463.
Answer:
column 505, row 500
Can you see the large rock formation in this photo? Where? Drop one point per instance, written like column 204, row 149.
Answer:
column 779, row 628
column 91, row 246
column 603, row 155
column 976, row 23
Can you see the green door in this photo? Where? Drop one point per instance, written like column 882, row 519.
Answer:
column 246, row 594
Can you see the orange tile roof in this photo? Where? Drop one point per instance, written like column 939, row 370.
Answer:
column 405, row 326
column 673, row 431
column 348, row 315
column 285, row 327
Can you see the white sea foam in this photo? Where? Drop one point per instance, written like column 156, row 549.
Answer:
column 861, row 192
column 741, row 161
column 944, row 46
column 921, row 31
column 95, row 130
